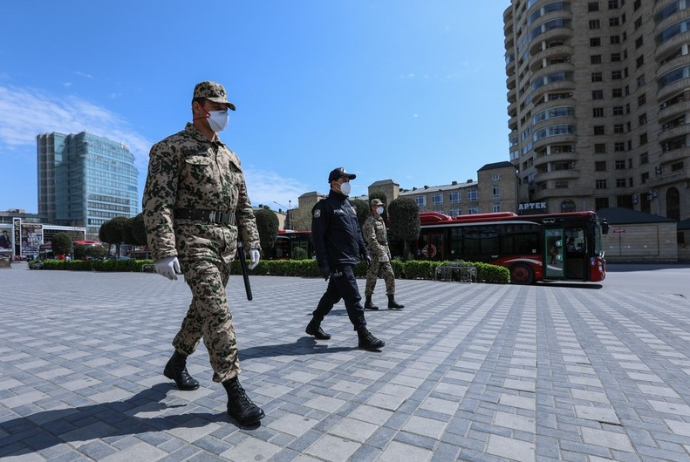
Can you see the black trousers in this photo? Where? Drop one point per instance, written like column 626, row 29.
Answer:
column 342, row 285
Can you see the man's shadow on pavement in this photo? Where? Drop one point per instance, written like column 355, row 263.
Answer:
column 42, row 430
column 306, row 345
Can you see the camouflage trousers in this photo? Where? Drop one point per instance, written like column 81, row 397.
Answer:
column 209, row 316
column 387, row 274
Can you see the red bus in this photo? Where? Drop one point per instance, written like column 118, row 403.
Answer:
column 559, row 246
column 292, row 245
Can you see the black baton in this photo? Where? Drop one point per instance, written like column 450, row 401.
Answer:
column 245, row 271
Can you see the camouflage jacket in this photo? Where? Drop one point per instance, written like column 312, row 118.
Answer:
column 374, row 232
column 189, row 171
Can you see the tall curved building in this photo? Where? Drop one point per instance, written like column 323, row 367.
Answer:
column 599, row 103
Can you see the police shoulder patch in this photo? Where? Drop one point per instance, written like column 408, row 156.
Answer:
column 317, row 213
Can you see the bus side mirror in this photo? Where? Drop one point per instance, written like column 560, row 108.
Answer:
column 604, row 227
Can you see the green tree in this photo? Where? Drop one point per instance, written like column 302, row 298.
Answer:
column 96, row 251
column 139, row 230
column 404, row 223
column 362, row 209
column 112, row 232
column 61, row 244
column 267, row 224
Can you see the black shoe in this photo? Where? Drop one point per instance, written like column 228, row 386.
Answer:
column 368, row 341
column 369, row 305
column 392, row 304
column 314, row 328
column 176, row 370
column 240, row 407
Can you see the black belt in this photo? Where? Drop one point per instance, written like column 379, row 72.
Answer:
column 208, row 216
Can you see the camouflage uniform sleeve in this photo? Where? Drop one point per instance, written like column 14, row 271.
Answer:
column 158, row 201
column 246, row 221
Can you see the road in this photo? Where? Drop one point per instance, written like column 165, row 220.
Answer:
column 648, row 278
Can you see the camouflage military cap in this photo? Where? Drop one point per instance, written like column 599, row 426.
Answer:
column 375, row 202
column 212, row 91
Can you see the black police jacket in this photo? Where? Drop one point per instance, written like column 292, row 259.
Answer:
column 335, row 232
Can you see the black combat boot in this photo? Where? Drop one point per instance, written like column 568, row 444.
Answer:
column 392, row 304
column 176, row 370
column 314, row 328
column 369, row 305
column 368, row 341
column 240, row 407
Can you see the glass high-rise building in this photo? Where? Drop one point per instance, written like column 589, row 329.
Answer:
column 599, row 103
column 85, row 180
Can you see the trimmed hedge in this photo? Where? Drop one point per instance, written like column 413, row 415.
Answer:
column 417, row 269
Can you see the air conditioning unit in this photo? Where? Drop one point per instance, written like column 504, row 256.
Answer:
column 663, row 105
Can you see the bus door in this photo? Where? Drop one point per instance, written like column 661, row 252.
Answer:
column 431, row 246
column 554, row 264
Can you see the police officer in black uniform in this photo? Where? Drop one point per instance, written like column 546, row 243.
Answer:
column 339, row 246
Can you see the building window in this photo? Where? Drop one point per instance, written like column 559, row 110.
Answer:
column 677, row 166
column 601, row 203
column 594, row 24
column 599, row 130
column 600, row 148
column 639, row 42
column 472, row 195
column 597, row 77
column 595, row 59
column 637, row 5
column 614, row 22
column 615, row 39
column 496, row 207
column 473, row 210
column 644, row 177
column 454, row 197
column 643, row 139
column 593, row 6
column 615, row 57
column 639, row 62
column 601, row 184
column 620, row 183
column 598, row 94
column 496, row 192
column 595, row 42
column 642, row 119
column 642, row 100
column 644, row 158
column 561, row 184
column 421, row 201
column 613, row 4
column 598, row 112
column 600, row 166
column 620, row 165
column 618, row 110
column 619, row 147
column 616, row 75
column 618, row 128
column 437, row 199
column 617, row 92
column 640, row 79
column 455, row 212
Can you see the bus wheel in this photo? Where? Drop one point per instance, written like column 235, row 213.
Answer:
column 521, row 274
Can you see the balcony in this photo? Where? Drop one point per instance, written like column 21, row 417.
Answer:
column 674, row 155
column 673, row 110
column 561, row 33
column 559, row 139
column 674, row 132
column 560, row 51
column 565, row 193
column 680, row 61
column 673, row 89
column 557, row 157
column 558, row 175
column 669, row 46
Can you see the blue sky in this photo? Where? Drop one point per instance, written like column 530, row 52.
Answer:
column 408, row 90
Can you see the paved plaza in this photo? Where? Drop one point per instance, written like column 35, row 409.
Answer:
column 470, row 372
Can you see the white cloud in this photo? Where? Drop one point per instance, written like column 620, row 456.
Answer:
column 267, row 188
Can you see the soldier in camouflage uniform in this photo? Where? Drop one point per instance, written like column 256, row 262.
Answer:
column 374, row 231
column 195, row 205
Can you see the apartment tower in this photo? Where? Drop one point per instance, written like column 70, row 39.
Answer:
column 85, row 180
column 599, row 103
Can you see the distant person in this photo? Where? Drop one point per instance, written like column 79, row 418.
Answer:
column 195, row 208
column 5, row 242
column 374, row 232
column 339, row 247
column 571, row 245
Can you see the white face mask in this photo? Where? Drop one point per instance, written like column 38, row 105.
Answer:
column 379, row 210
column 345, row 189
column 218, row 120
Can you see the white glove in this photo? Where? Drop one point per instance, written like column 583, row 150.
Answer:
column 168, row 267
column 254, row 256
column 384, row 258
